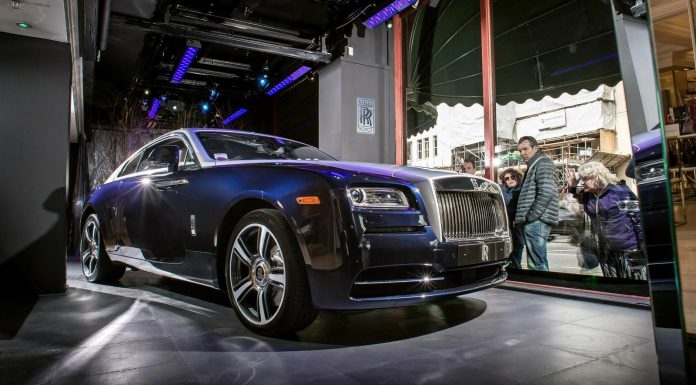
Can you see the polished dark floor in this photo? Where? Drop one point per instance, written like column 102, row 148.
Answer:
column 151, row 330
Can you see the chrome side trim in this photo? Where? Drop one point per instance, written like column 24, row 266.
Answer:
column 394, row 281
column 138, row 261
column 434, row 294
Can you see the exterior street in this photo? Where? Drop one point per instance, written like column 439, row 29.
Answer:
column 562, row 257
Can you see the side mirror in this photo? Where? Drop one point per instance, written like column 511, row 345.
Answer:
column 164, row 157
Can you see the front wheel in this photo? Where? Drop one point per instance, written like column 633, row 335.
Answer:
column 265, row 275
column 96, row 265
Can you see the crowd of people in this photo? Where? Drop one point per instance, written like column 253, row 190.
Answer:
column 613, row 238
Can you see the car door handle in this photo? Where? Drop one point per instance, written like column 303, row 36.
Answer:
column 168, row 184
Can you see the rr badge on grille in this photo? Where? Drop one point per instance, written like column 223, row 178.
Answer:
column 484, row 252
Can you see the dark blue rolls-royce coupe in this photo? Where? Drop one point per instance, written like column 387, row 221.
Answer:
column 286, row 229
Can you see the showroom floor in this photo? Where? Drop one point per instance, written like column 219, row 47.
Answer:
column 151, row 330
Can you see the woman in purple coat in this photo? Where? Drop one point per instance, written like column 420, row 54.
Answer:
column 615, row 220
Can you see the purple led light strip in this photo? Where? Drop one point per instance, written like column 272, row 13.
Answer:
column 288, row 80
column 234, row 116
column 153, row 109
column 387, row 12
column 184, row 64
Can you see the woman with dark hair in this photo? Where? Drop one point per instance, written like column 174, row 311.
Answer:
column 510, row 184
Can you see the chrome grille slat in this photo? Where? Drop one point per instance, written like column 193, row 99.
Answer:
column 468, row 214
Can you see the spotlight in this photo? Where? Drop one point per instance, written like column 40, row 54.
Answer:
column 213, row 94
column 389, row 24
column 147, row 91
column 311, row 76
column 205, row 107
column 262, row 81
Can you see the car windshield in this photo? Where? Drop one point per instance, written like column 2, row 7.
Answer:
column 236, row 146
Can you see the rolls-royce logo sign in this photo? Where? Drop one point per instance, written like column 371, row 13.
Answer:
column 366, row 116
column 484, row 252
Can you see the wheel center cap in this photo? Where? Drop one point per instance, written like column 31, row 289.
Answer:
column 259, row 273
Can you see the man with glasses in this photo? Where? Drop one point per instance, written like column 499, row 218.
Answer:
column 537, row 207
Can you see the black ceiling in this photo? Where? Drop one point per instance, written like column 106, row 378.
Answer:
column 147, row 38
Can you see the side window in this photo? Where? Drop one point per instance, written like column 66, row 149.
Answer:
column 186, row 158
column 152, row 156
column 131, row 166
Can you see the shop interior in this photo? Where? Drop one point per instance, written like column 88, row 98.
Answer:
column 673, row 26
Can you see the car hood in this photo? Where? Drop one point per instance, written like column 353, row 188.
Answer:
column 411, row 174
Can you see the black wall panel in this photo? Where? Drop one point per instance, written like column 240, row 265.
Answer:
column 34, row 145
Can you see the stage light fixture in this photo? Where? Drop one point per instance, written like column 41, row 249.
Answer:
column 387, row 13
column 234, row 116
column 192, row 48
column 153, row 108
column 288, row 80
column 262, row 81
column 205, row 107
column 389, row 24
column 146, row 92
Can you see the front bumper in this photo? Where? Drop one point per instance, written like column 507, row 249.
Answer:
column 401, row 269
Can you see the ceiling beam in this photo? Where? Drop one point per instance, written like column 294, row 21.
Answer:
column 126, row 22
column 225, row 64
column 206, row 72
column 189, row 16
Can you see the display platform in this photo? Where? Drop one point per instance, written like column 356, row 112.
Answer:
column 152, row 330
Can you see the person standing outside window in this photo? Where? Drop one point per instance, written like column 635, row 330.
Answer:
column 615, row 222
column 467, row 167
column 537, row 207
column 511, row 181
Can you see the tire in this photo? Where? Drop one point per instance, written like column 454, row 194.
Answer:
column 267, row 284
column 96, row 265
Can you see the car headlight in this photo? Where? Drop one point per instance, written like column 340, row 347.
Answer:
column 378, row 197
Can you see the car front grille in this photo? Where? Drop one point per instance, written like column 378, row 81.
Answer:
column 470, row 214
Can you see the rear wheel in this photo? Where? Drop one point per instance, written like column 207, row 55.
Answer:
column 265, row 274
column 96, row 265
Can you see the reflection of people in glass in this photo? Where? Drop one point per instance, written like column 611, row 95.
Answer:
column 613, row 211
column 467, row 167
column 511, row 181
column 537, row 208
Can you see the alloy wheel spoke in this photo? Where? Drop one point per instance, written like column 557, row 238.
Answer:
column 242, row 289
column 262, row 306
column 277, row 277
column 88, row 235
column 92, row 264
column 94, row 234
column 263, row 241
column 242, row 252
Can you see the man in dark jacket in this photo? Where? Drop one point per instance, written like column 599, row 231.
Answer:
column 537, row 207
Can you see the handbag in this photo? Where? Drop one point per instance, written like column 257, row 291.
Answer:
column 588, row 252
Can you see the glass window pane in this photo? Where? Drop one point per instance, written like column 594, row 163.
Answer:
column 558, row 81
column 443, row 84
